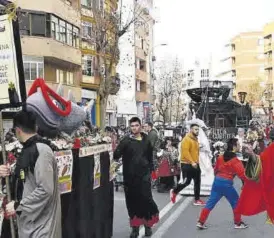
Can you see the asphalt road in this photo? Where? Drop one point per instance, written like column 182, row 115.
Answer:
column 179, row 220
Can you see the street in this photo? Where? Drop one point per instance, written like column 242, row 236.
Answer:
column 179, row 220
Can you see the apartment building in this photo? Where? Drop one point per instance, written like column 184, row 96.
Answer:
column 243, row 61
column 144, row 58
column 268, row 32
column 91, row 81
column 50, row 38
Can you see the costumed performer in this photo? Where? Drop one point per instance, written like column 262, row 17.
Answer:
column 258, row 191
column 227, row 167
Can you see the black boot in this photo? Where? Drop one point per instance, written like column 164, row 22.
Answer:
column 134, row 232
column 148, row 231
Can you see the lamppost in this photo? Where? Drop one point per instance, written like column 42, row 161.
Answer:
column 152, row 59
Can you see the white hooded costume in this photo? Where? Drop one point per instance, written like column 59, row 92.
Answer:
column 205, row 156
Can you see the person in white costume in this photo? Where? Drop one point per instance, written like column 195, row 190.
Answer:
column 205, row 157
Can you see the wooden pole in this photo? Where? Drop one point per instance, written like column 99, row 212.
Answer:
column 7, row 180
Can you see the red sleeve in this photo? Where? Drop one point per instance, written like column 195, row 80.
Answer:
column 239, row 169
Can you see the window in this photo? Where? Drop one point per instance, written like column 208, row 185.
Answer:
column 86, row 3
column 75, row 38
column 143, row 65
column 59, row 76
column 62, row 27
column 24, row 23
column 55, row 27
column 87, row 65
column 261, row 42
column 33, row 67
column 69, row 34
column 64, row 32
column 204, row 73
column 87, row 30
column 70, row 80
column 38, row 24
column 138, row 84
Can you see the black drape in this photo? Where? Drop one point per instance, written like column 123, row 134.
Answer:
column 88, row 213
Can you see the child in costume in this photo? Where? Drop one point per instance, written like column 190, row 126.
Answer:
column 226, row 168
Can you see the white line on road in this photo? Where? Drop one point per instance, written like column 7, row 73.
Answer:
column 173, row 217
column 163, row 212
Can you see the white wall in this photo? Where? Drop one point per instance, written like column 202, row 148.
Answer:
column 126, row 65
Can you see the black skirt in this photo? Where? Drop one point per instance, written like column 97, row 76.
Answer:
column 142, row 209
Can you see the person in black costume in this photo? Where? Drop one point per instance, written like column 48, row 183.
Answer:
column 137, row 156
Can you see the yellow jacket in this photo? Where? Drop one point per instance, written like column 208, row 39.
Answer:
column 190, row 149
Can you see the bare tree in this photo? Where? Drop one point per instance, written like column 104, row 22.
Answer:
column 255, row 92
column 169, row 92
column 108, row 28
column 178, row 81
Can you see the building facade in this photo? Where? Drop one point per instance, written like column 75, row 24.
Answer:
column 50, row 38
column 268, row 34
column 144, row 58
column 90, row 77
column 243, row 62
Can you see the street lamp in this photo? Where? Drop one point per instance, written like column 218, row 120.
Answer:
column 242, row 96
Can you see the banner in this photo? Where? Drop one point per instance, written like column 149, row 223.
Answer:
column 96, row 149
column 97, row 171
column 64, row 160
column 9, row 77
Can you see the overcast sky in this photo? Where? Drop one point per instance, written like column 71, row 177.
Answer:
column 198, row 28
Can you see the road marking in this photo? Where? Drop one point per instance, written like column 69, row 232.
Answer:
column 173, row 217
column 163, row 212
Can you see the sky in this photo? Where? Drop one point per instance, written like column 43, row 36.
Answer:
column 199, row 29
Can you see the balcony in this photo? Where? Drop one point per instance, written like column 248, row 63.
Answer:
column 267, row 47
column 50, row 48
column 140, row 53
column 268, row 63
column 142, row 75
column 88, row 48
column 76, row 90
column 142, row 97
column 63, row 9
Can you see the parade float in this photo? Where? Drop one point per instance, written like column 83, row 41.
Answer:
column 212, row 102
column 83, row 154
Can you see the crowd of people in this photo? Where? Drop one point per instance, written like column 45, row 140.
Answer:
column 248, row 156
column 237, row 157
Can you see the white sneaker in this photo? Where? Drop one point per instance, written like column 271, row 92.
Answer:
column 201, row 226
column 241, row 225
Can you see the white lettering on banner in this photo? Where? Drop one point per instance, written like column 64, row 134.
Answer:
column 8, row 61
column 96, row 149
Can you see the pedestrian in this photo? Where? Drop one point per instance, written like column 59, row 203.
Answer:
column 190, row 165
column 226, row 168
column 39, row 211
column 153, row 137
column 136, row 152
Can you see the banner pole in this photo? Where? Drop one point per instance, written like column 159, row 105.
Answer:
column 7, row 180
